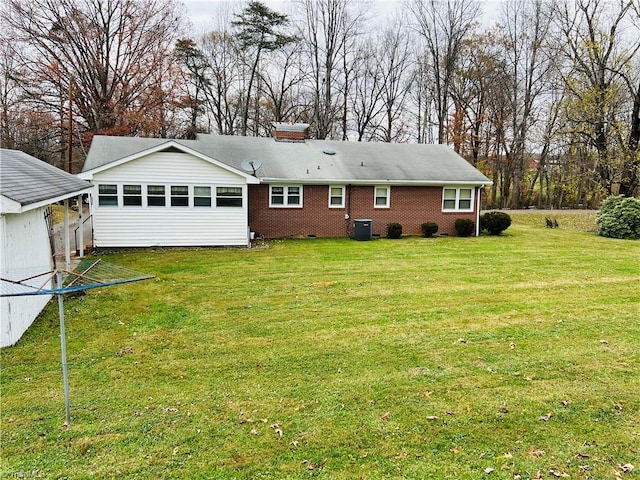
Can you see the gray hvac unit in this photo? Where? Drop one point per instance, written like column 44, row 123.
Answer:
column 363, row 229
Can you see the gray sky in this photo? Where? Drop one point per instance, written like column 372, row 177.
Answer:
column 201, row 12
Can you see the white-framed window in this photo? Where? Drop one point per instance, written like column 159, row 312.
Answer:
column 179, row 196
column 285, row 196
column 228, row 196
column 201, row 196
column 156, row 196
column 336, row 196
column 107, row 195
column 132, row 195
column 457, row 199
column 381, row 197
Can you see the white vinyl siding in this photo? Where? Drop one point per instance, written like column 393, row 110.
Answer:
column 457, row 199
column 26, row 251
column 153, row 224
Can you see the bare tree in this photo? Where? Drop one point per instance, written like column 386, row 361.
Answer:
column 597, row 58
column 107, row 52
column 224, row 76
column 444, row 25
column 366, row 89
column 282, row 85
column 258, row 30
column 326, row 25
column 526, row 28
column 396, row 62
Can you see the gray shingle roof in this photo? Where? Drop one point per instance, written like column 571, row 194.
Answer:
column 307, row 162
column 27, row 180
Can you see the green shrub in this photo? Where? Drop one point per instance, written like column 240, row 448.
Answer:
column 495, row 222
column 394, row 230
column 429, row 229
column 619, row 217
column 464, row 227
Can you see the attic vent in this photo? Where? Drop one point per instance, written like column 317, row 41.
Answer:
column 171, row 150
column 329, row 151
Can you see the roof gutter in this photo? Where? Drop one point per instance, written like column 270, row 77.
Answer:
column 335, row 181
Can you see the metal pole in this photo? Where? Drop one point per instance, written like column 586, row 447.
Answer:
column 63, row 348
column 80, row 247
column 67, row 241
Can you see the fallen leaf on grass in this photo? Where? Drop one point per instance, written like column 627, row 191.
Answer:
column 535, row 453
column 254, row 431
column 626, row 468
column 401, row 456
column 559, row 474
column 315, row 466
column 545, row 418
column 432, row 417
column 385, row 415
column 277, row 429
column 85, row 448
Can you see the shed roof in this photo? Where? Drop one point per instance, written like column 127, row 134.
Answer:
column 312, row 161
column 29, row 182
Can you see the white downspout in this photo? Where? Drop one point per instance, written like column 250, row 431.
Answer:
column 478, row 208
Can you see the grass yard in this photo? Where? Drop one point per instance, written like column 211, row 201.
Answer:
column 511, row 357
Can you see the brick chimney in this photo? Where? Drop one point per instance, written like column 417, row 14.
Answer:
column 289, row 132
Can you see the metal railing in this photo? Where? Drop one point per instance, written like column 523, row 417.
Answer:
column 75, row 233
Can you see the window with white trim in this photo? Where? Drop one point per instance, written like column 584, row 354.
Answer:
column 458, row 199
column 132, row 195
column 381, row 197
column 228, row 196
column 201, row 196
column 108, row 195
column 285, row 196
column 336, row 196
column 179, row 196
column 156, row 196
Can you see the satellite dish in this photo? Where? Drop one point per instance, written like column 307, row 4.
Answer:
column 251, row 165
column 329, row 151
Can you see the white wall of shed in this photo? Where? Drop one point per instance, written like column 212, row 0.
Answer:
column 170, row 226
column 25, row 251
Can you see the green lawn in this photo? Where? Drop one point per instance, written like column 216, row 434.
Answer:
column 507, row 357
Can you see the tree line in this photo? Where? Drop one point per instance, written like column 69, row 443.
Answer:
column 545, row 100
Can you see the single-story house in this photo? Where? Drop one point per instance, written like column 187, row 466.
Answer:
column 27, row 187
column 216, row 190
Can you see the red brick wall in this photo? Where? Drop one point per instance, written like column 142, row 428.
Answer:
column 409, row 206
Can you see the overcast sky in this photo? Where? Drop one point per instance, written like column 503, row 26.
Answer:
column 201, row 12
